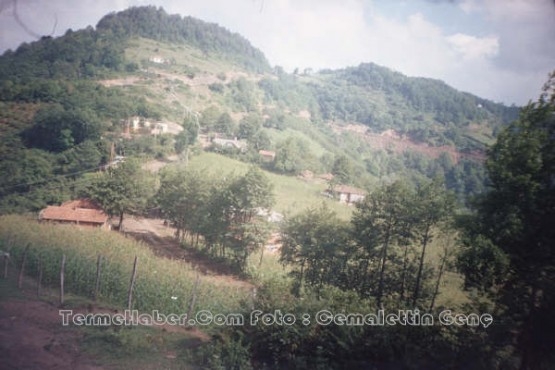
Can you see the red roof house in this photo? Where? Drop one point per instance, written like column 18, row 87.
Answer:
column 82, row 212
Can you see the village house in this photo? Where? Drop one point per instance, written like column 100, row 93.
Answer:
column 267, row 155
column 347, row 194
column 159, row 129
column 158, row 59
column 240, row 145
column 135, row 124
column 82, row 212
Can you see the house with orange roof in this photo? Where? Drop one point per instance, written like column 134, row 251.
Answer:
column 82, row 212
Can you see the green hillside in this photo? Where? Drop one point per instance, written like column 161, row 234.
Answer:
column 314, row 204
column 63, row 100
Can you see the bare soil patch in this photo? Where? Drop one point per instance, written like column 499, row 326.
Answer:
column 120, row 81
column 391, row 140
column 32, row 337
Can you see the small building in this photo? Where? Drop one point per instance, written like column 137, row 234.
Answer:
column 157, row 59
column 159, row 128
column 112, row 164
column 205, row 141
column 240, row 145
column 267, row 155
column 83, row 212
column 134, row 123
column 348, row 194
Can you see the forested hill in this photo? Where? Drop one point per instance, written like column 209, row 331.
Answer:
column 423, row 109
column 156, row 24
column 94, row 53
column 428, row 95
column 62, row 101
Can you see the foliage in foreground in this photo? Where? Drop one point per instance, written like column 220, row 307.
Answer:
column 514, row 226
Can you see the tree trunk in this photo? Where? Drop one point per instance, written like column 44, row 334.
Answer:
column 120, row 221
column 421, row 266
column 261, row 255
column 62, row 272
column 39, row 280
column 404, row 274
column 22, row 269
column 301, row 277
column 382, row 269
column 439, row 275
column 97, row 281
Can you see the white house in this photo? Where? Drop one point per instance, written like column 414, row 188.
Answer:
column 230, row 143
column 348, row 194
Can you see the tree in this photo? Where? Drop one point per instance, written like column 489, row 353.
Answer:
column 56, row 129
column 433, row 211
column 342, row 169
column 517, row 215
column 182, row 197
column 225, row 124
column 249, row 126
column 379, row 222
column 188, row 136
column 124, row 189
column 248, row 195
column 209, row 117
column 292, row 156
column 261, row 140
column 314, row 243
column 83, row 157
column 484, row 264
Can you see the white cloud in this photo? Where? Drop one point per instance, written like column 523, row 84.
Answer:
column 471, row 47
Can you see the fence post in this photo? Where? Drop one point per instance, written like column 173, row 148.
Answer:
column 22, row 269
column 6, row 256
column 6, row 260
column 97, row 283
column 39, row 281
column 131, row 284
column 62, row 269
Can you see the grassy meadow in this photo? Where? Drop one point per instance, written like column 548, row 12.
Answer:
column 292, row 194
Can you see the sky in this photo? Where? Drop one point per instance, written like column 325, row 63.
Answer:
column 501, row 50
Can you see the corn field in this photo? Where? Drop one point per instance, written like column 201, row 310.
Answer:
column 161, row 284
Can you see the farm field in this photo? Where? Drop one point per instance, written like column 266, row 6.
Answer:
column 162, row 284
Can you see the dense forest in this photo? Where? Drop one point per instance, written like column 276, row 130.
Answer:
column 457, row 186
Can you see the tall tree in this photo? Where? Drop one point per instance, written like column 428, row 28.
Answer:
column 314, row 243
column 433, row 210
column 343, row 169
column 183, row 196
column 124, row 189
column 518, row 216
column 248, row 195
column 188, row 136
column 379, row 222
